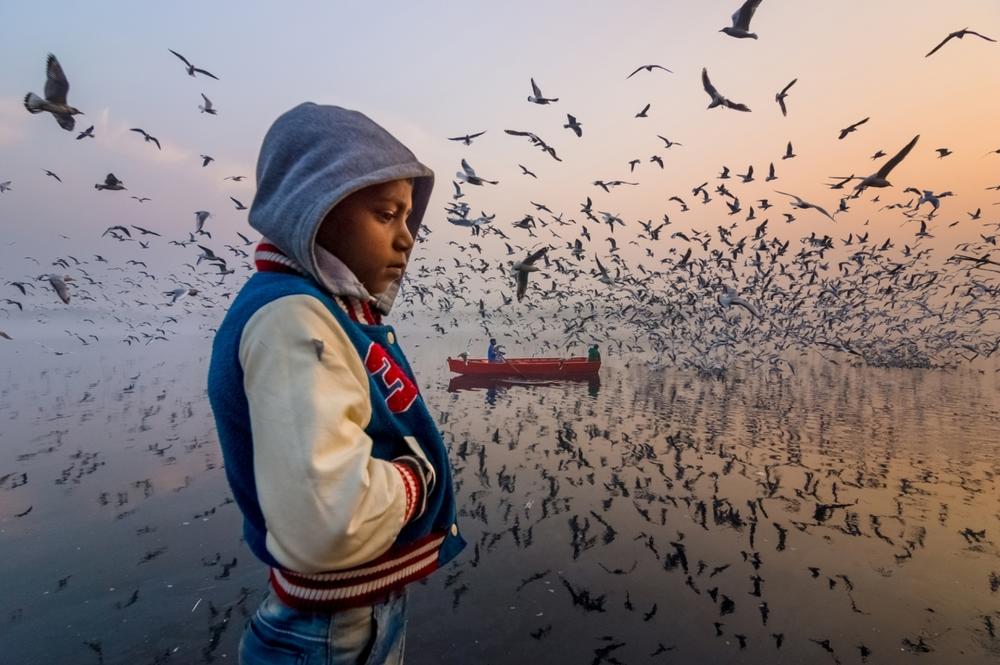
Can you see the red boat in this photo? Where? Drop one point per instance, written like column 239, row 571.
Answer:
column 535, row 368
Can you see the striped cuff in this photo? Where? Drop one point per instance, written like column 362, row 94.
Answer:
column 416, row 490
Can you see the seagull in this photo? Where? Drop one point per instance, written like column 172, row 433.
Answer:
column 145, row 232
column 728, row 298
column 110, row 182
column 200, row 217
column 574, row 124
column 878, row 179
column 788, row 152
column 535, row 140
column 525, row 171
column 56, row 89
column 468, row 174
column 850, row 128
column 928, row 196
column 467, row 139
column 741, row 21
column 648, row 68
column 537, row 98
column 206, row 160
column 140, row 199
column 523, row 267
column 5, row 185
column 48, row 172
column 87, row 133
column 960, row 33
column 59, row 286
column 800, row 203
column 235, row 178
column 942, row 152
column 717, row 99
column 191, row 69
column 780, row 97
column 667, row 142
column 239, row 204
column 207, row 107
column 147, row 137
column 642, row 113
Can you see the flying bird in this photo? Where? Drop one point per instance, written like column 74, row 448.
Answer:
column 959, row 34
column 110, row 182
column 239, row 204
column 535, row 140
column 206, row 160
column 878, row 179
column 642, row 113
column 850, row 128
column 648, row 68
column 56, row 89
column 574, row 124
column 800, row 203
column 87, row 133
column 780, row 97
column 536, row 96
column 741, row 21
column 468, row 174
column 523, row 267
column 729, row 298
column 50, row 173
column 717, row 99
column 207, row 106
column 191, row 69
column 467, row 139
column 147, row 137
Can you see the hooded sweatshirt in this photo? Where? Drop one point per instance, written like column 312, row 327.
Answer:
column 334, row 460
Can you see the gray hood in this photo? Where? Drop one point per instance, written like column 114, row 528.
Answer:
column 312, row 157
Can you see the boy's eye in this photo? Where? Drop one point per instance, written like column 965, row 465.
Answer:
column 387, row 215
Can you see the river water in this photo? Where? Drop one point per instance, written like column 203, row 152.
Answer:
column 835, row 514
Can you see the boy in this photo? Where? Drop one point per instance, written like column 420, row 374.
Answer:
column 340, row 472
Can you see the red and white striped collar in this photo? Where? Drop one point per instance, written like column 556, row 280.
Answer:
column 268, row 257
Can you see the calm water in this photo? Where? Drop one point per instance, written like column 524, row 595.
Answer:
column 653, row 517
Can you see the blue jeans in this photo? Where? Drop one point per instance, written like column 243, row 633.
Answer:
column 281, row 635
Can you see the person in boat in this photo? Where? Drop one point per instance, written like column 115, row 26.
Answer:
column 495, row 352
column 593, row 354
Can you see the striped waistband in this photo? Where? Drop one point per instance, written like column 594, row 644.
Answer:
column 359, row 586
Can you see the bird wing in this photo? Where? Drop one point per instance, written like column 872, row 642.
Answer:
column 709, row 88
column 736, row 106
column 208, row 102
column 156, row 141
column 206, row 73
column 741, row 19
column 534, row 89
column 56, row 84
column 534, row 256
column 891, row 164
column 469, row 171
column 972, row 32
column 785, row 89
column 522, row 283
column 943, row 42
column 183, row 59
column 781, row 103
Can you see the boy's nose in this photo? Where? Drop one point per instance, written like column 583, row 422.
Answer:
column 404, row 239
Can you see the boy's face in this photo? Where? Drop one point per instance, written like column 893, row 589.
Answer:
column 368, row 232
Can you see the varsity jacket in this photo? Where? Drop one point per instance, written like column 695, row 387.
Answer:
column 333, row 458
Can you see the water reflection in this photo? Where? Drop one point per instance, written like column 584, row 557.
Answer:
column 840, row 514
column 493, row 387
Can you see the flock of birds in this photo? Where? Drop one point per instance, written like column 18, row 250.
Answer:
column 705, row 300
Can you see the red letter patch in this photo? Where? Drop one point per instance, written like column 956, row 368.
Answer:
column 402, row 391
